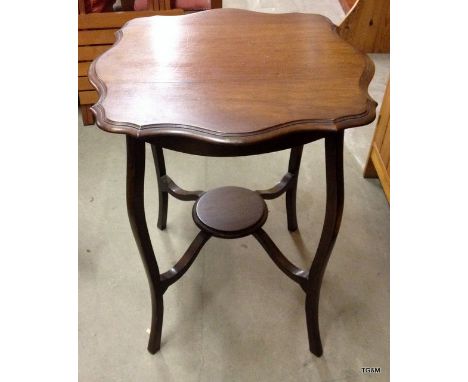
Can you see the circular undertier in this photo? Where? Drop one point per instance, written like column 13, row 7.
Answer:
column 230, row 212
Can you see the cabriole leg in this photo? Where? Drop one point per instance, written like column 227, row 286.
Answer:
column 136, row 215
column 334, row 211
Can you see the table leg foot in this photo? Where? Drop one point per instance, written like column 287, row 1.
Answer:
column 331, row 226
column 313, row 330
column 291, row 193
column 160, row 166
column 157, row 304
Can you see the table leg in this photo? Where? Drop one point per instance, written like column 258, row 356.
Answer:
column 334, row 211
column 136, row 214
column 293, row 168
column 160, row 165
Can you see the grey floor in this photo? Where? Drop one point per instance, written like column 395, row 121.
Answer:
column 234, row 316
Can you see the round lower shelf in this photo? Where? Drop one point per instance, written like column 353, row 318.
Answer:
column 230, row 212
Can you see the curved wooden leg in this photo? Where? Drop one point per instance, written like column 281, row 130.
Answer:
column 334, row 211
column 293, row 168
column 160, row 165
column 136, row 215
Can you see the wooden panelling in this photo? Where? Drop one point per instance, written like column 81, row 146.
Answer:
column 367, row 26
column 117, row 19
column 378, row 163
column 83, row 68
column 89, row 53
column 96, row 37
column 88, row 97
column 84, row 84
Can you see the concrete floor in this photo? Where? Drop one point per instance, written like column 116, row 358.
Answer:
column 234, row 316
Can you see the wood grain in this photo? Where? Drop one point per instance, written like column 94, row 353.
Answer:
column 83, row 68
column 195, row 77
column 230, row 212
column 81, row 6
column 88, row 97
column 117, row 19
column 86, row 115
column 89, row 53
column 96, row 37
column 367, row 26
column 84, row 84
column 162, row 4
column 378, row 162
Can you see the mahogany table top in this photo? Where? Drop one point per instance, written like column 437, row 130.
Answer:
column 231, row 77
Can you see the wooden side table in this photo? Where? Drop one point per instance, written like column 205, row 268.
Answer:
column 231, row 83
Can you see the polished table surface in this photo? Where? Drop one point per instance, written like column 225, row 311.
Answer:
column 229, row 82
column 231, row 77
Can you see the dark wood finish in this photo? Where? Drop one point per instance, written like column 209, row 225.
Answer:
column 289, row 269
column 288, row 184
column 331, row 226
column 293, row 168
column 86, row 115
column 160, row 166
column 216, row 4
column 287, row 80
column 178, row 192
column 267, row 73
column 177, row 271
column 136, row 215
column 230, row 212
column 166, row 186
column 279, row 189
column 136, row 212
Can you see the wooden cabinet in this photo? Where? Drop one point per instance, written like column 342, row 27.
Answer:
column 378, row 163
